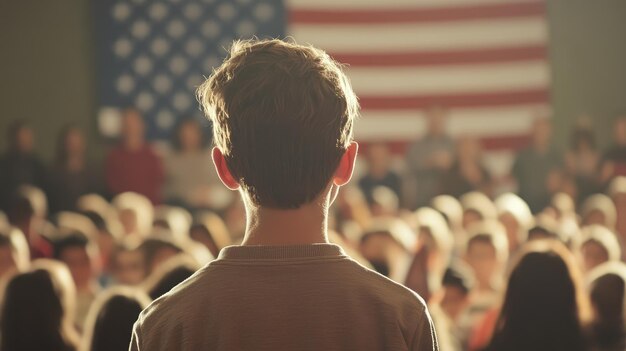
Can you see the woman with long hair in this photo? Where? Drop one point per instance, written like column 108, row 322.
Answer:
column 544, row 306
column 38, row 310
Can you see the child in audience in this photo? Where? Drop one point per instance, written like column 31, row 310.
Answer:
column 477, row 207
column 14, row 254
column 599, row 209
column 81, row 257
column 128, row 264
column 597, row 245
column 515, row 216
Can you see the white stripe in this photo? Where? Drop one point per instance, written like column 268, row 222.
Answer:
column 388, row 4
column 479, row 122
column 390, row 81
column 364, row 38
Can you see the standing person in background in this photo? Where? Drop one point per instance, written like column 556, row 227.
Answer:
column 582, row 160
column 19, row 165
column 379, row 172
column 70, row 176
column 429, row 158
column 189, row 178
column 614, row 159
column 535, row 164
column 467, row 173
column 132, row 165
column 283, row 118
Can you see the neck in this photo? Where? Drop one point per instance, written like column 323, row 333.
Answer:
column 305, row 225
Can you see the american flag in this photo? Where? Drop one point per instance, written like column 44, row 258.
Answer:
column 486, row 61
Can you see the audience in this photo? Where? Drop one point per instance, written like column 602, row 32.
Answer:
column 189, row 173
column 38, row 310
column 19, row 165
column 535, row 165
column 429, row 158
column 110, row 321
column 79, row 270
column 544, row 305
column 70, row 176
column 133, row 165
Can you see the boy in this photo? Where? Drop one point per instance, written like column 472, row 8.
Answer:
column 282, row 116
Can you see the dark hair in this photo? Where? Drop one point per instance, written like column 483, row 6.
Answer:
column 71, row 240
column 150, row 247
column 21, row 208
column 459, row 276
column 32, row 314
column 607, row 296
column 176, row 140
column 12, row 132
column 540, row 309
column 282, row 117
column 97, row 220
column 170, row 280
column 582, row 135
column 114, row 323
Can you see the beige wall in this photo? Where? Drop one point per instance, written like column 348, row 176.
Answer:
column 47, row 70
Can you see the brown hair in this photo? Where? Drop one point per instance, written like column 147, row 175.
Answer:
column 282, row 116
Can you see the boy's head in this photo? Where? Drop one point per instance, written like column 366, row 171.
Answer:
column 486, row 252
column 282, row 119
column 75, row 250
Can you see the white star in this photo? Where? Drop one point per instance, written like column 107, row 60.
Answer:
column 144, row 101
column 226, row 11
column 264, row 12
column 210, row 29
column 192, row 11
column 125, row 84
column 142, row 65
column 245, row 28
column 160, row 46
column 122, row 47
column 140, row 29
column 182, row 101
column 165, row 119
column 157, row 11
column 162, row 84
column 194, row 47
column 121, row 11
column 178, row 65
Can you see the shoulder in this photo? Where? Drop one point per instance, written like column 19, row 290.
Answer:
column 388, row 291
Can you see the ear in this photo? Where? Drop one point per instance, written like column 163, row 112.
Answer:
column 343, row 173
column 222, row 170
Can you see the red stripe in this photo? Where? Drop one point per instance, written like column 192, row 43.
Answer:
column 457, row 13
column 493, row 143
column 483, row 56
column 454, row 100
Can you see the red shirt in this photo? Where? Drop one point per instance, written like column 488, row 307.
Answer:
column 139, row 170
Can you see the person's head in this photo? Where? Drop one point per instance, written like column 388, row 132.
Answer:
column 599, row 209
column 188, row 136
column 486, row 252
column 544, row 304
column 127, row 264
column 451, row 210
column 171, row 273
column 434, row 234
column 436, row 121
column 385, row 241
column 384, row 202
column 20, row 137
column 477, row 207
column 70, row 143
column 157, row 251
column 582, row 139
column 596, row 245
column 38, row 309
column 458, row 282
column 607, row 287
column 135, row 212
column 378, row 159
column 133, row 126
column 619, row 130
column 541, row 132
column 14, row 252
column 282, row 119
column 109, row 324
column 75, row 250
column 545, row 227
column 516, row 217
column 210, row 230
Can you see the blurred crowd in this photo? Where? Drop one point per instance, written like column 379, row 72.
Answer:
column 84, row 248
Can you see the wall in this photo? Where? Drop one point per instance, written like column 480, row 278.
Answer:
column 47, row 69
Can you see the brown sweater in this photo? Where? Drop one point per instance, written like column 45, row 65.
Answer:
column 302, row 297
